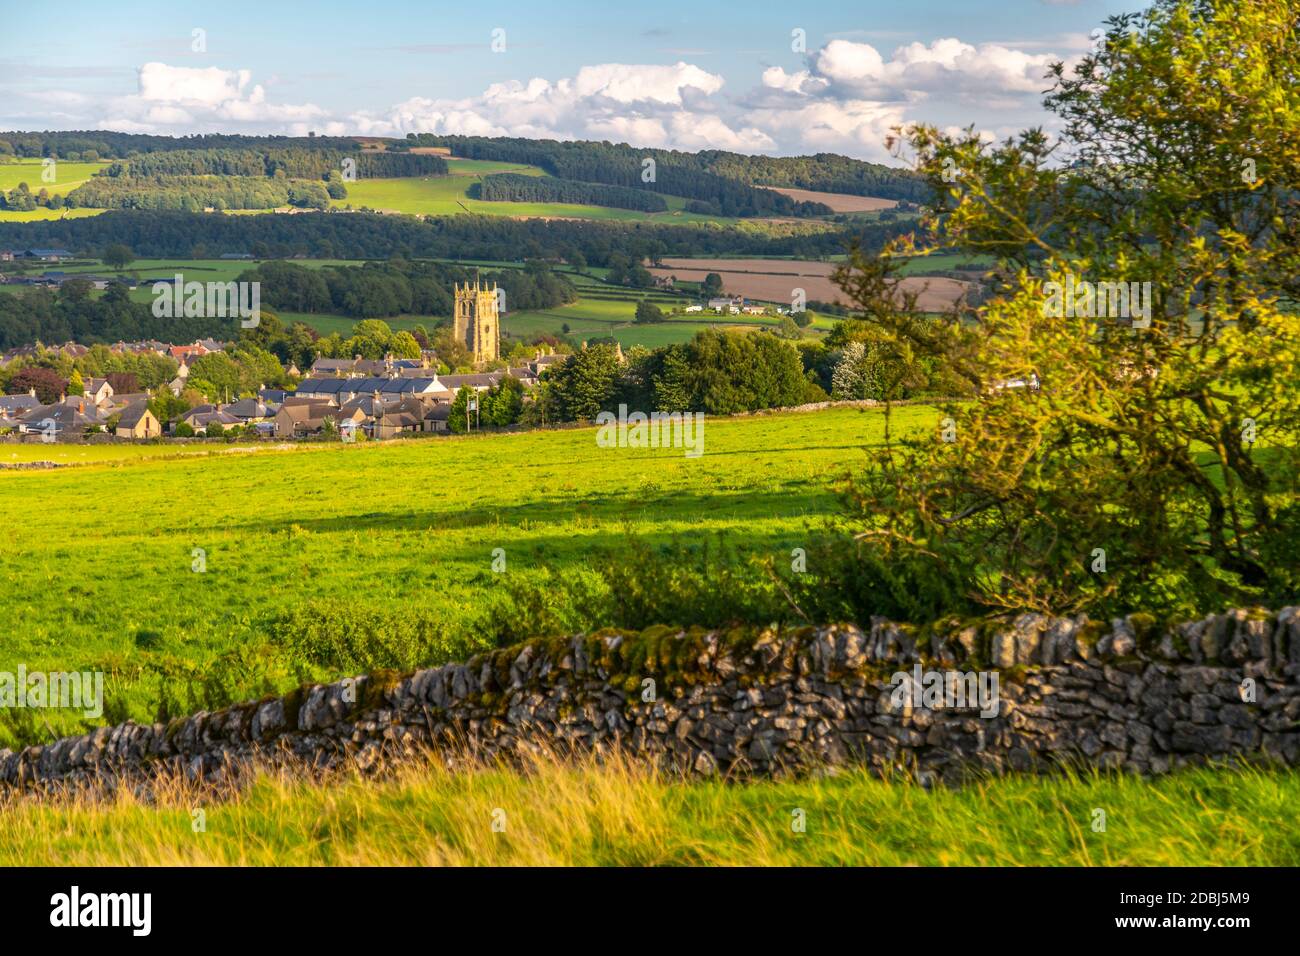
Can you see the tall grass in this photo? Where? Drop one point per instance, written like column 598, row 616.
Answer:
column 621, row 813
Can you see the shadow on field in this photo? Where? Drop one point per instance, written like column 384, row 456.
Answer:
column 566, row 511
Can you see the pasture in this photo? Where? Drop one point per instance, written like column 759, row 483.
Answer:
column 400, row 534
column 449, row 196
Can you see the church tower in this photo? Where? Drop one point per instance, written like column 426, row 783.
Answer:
column 477, row 323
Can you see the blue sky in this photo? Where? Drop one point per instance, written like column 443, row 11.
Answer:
column 668, row 73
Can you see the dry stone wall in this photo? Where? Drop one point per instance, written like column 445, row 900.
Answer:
column 1127, row 695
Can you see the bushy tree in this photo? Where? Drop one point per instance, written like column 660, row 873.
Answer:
column 49, row 384
column 647, row 312
column 1111, row 463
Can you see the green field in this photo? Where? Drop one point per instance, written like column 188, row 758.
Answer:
column 618, row 814
column 396, row 529
column 67, row 177
column 449, row 196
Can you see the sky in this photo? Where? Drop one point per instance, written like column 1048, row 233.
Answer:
column 776, row 78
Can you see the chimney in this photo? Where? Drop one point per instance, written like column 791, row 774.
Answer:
column 81, row 408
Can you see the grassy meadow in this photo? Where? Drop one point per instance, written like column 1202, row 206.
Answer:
column 67, row 177
column 449, row 196
column 622, row 814
column 381, row 538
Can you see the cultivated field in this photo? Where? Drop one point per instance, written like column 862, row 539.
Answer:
column 838, row 202
column 774, row 280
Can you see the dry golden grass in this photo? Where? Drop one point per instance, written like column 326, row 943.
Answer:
column 621, row 813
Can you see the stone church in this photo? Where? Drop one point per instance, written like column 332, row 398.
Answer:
column 477, row 322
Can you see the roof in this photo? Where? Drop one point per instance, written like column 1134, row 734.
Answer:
column 476, row 380
column 204, row 419
column 18, row 403
column 247, row 408
column 359, row 386
column 132, row 414
column 120, row 399
column 64, row 416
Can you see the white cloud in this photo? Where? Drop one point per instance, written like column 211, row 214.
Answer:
column 176, row 84
column 845, row 97
column 915, row 70
column 642, row 104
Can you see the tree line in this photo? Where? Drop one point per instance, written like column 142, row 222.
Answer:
column 38, row 315
column 516, row 187
column 674, row 173
column 399, row 287
column 290, row 163
column 197, row 193
column 105, row 144
column 718, row 372
column 158, row 234
column 824, row 172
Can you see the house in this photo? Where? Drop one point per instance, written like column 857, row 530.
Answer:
column 236, row 255
column 357, row 366
column 45, row 255
column 330, row 366
column 1032, row 383
column 98, row 390
column 371, row 406
column 136, row 421
column 406, row 415
column 293, row 421
column 58, row 420
column 202, row 421
column 248, row 410
column 435, row 419
column 343, row 390
column 272, row 396
column 6, row 255
column 479, row 381
column 694, row 308
column 121, row 400
column 183, row 353
column 13, row 406
column 543, row 362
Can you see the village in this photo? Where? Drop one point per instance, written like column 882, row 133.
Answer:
column 375, row 398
